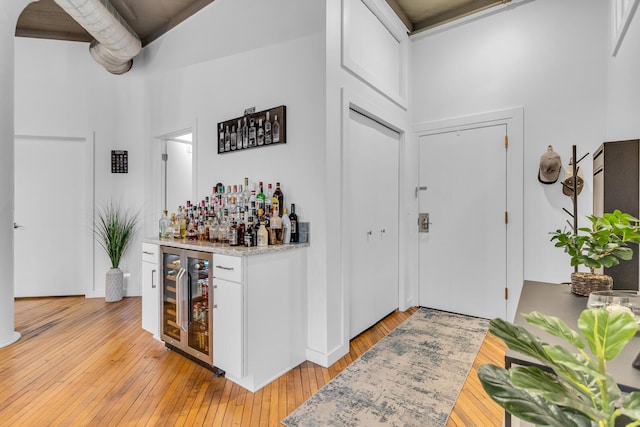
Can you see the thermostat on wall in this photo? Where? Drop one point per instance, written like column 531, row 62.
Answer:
column 119, row 161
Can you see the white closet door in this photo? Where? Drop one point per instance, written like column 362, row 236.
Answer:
column 371, row 160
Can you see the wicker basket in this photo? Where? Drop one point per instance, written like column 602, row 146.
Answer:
column 585, row 283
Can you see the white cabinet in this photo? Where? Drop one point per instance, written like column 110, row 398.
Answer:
column 150, row 290
column 228, row 315
column 228, row 332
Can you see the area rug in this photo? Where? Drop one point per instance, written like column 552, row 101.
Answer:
column 412, row 377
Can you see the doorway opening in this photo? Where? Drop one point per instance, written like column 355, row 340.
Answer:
column 176, row 168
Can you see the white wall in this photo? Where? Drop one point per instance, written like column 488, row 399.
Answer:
column 623, row 87
column 547, row 56
column 61, row 91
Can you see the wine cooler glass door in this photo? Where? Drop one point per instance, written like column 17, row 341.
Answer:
column 170, row 308
column 200, row 314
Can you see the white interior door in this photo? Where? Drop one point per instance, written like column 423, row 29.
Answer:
column 371, row 207
column 463, row 256
column 50, row 254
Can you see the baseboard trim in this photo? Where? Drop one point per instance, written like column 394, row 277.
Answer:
column 327, row 359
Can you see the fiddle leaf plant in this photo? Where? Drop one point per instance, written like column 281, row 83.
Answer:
column 574, row 389
column 603, row 244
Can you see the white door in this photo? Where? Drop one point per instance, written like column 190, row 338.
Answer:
column 50, row 254
column 371, row 212
column 463, row 256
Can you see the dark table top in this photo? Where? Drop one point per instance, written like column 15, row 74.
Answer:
column 557, row 300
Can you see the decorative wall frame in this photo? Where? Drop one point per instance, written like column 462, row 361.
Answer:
column 622, row 12
column 253, row 130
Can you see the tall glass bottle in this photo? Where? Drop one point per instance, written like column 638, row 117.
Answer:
column 163, row 224
column 276, row 129
column 263, row 236
column 286, row 227
column 260, row 198
column 260, row 133
column 234, row 138
column 279, row 195
column 227, row 139
column 245, row 134
column 294, row 224
column 267, row 130
column 221, row 138
column 268, row 200
column 252, row 132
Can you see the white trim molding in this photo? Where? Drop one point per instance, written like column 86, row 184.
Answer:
column 622, row 12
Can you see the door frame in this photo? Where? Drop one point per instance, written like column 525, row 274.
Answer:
column 513, row 119
column 87, row 263
column 153, row 184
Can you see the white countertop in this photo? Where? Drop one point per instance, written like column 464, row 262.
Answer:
column 217, row 248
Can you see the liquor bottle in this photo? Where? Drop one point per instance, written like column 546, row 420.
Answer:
column 276, row 129
column 260, row 133
column 268, row 200
column 275, row 227
column 227, row 140
column 248, row 234
column 239, row 136
column 279, row 195
column 176, row 226
column 234, row 138
column 267, row 130
column 294, row 224
column 252, row 132
column 233, row 234
column 213, row 231
column 286, row 227
column 163, row 224
column 260, row 198
column 202, row 230
column 263, row 235
column 245, row 134
column 241, row 231
column 221, row 139
column 183, row 224
column 246, row 193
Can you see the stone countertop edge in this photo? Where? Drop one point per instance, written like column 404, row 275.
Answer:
column 225, row 250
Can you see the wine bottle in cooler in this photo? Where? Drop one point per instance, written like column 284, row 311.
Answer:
column 294, row 224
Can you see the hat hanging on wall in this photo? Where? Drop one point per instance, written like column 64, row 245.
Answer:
column 567, row 184
column 550, row 165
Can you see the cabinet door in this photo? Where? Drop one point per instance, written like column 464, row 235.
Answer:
column 150, row 298
column 227, row 321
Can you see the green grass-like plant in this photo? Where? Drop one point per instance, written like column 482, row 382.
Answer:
column 576, row 390
column 115, row 229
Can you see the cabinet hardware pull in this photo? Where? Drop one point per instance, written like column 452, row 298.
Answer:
column 148, row 253
column 153, row 278
column 215, row 305
column 225, row 268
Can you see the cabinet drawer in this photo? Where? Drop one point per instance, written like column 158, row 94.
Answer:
column 150, row 252
column 227, row 267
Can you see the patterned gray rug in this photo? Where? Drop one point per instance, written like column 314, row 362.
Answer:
column 412, row 377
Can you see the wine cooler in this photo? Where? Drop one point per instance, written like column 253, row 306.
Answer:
column 187, row 317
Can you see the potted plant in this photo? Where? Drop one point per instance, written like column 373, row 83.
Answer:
column 115, row 229
column 576, row 390
column 603, row 244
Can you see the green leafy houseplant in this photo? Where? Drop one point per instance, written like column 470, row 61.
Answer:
column 577, row 391
column 115, row 228
column 604, row 244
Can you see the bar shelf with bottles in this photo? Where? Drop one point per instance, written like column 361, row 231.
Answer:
column 235, row 216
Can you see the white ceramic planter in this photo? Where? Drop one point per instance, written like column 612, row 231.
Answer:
column 114, row 284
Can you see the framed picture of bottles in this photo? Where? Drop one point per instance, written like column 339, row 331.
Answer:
column 259, row 129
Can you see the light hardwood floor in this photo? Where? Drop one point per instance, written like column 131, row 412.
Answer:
column 84, row 362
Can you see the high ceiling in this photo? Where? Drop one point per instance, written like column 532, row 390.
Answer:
column 152, row 18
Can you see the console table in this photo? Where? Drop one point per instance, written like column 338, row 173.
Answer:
column 557, row 300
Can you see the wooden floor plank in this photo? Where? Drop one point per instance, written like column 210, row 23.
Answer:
column 86, row 362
